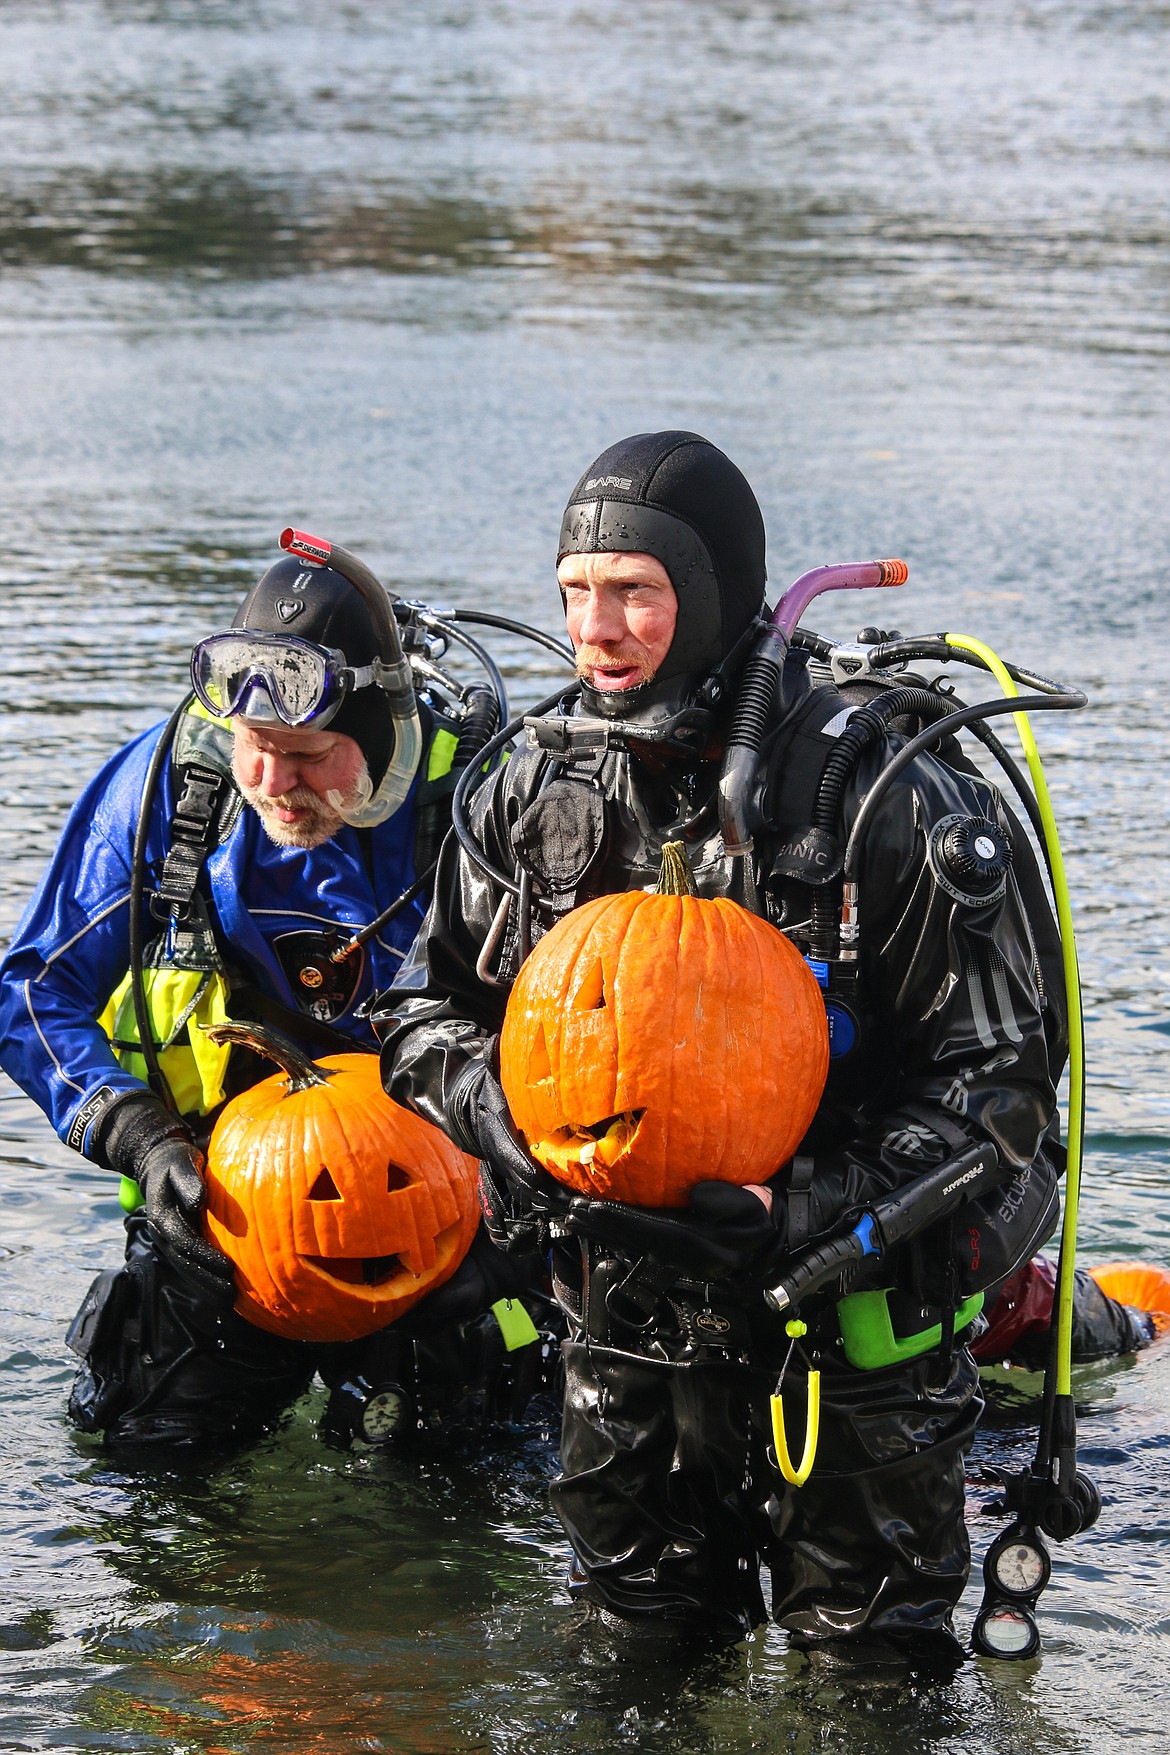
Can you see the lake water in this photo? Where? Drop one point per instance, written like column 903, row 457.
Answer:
column 396, row 272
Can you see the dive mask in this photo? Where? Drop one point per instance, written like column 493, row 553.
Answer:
column 276, row 677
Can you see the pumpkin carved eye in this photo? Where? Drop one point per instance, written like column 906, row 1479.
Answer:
column 539, row 1065
column 324, row 1188
column 590, row 996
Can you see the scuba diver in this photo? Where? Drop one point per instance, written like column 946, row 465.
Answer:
column 695, row 720
column 263, row 856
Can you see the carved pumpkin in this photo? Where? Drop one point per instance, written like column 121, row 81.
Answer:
column 655, row 1041
column 338, row 1208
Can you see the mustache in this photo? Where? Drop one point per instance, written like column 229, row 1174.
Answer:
column 300, row 798
column 598, row 658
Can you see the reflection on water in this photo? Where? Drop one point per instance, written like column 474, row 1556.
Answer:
column 395, row 273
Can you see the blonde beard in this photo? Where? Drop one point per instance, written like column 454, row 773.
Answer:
column 322, row 823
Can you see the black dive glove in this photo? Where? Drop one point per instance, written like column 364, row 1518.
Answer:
column 140, row 1138
column 484, row 1276
column 726, row 1233
column 518, row 1197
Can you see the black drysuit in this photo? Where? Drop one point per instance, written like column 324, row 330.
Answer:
column 667, row 1491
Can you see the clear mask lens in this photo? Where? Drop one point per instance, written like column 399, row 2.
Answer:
column 299, row 679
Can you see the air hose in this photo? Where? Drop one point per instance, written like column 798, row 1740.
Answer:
column 865, row 726
column 481, row 717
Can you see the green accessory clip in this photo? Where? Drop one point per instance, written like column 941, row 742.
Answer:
column 516, row 1326
column 868, row 1332
column 129, row 1195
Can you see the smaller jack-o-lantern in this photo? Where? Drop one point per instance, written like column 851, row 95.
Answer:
column 652, row 1041
column 338, row 1208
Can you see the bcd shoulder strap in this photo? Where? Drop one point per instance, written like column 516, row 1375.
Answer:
column 207, row 804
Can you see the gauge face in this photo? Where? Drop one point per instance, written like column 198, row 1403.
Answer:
column 1007, row 1633
column 1017, row 1566
column 381, row 1415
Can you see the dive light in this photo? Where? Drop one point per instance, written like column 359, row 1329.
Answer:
column 888, row 1222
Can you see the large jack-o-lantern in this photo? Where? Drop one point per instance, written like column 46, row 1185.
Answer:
column 653, row 1041
column 338, row 1208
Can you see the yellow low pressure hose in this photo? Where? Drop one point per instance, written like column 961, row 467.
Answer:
column 1076, row 1029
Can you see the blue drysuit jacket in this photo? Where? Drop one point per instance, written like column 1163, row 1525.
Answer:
column 71, row 948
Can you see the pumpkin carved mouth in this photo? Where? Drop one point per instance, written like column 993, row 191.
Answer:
column 370, row 1270
column 596, row 1145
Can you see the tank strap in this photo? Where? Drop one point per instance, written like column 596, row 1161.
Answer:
column 207, row 803
column 798, row 1202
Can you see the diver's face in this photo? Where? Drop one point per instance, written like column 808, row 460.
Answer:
column 287, row 776
column 620, row 611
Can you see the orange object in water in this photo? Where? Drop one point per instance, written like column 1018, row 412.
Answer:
column 1138, row 1284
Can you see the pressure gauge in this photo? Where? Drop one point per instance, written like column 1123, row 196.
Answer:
column 1017, row 1565
column 381, row 1415
column 1006, row 1630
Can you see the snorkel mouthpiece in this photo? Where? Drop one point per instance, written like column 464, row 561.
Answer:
column 372, row 807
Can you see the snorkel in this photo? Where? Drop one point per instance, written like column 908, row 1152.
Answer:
column 374, row 804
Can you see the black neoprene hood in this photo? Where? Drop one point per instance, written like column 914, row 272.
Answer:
column 319, row 604
column 677, row 497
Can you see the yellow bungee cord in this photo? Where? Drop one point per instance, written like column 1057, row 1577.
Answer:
column 796, row 1477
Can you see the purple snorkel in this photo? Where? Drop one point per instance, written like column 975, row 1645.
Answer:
column 839, row 576
column 761, row 681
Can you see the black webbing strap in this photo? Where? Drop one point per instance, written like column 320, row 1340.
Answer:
column 799, row 1195
column 200, row 791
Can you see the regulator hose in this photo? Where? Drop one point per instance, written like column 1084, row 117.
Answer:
column 757, row 692
column 865, row 726
column 1072, row 982
column 481, row 717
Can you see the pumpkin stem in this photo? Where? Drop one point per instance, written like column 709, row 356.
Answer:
column 674, row 878
column 301, row 1072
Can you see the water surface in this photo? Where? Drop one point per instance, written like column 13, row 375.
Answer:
column 396, row 273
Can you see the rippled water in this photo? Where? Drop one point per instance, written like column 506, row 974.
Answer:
column 396, row 273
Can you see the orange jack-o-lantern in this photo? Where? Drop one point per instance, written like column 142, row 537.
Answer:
column 656, row 1041
column 338, row 1208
